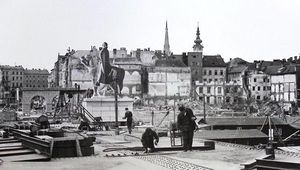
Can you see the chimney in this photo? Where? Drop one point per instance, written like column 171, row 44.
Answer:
column 295, row 58
column 148, row 49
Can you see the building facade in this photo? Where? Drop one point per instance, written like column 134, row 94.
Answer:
column 35, row 78
column 12, row 78
column 211, row 89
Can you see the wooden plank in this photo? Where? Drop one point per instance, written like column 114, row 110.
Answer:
column 12, row 148
column 28, row 157
column 16, row 152
column 8, row 141
column 5, row 145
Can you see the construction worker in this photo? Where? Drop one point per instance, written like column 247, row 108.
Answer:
column 128, row 116
column 148, row 137
column 186, row 124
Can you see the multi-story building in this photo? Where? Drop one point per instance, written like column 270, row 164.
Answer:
column 283, row 83
column 12, row 78
column 258, row 83
column 35, row 78
column 168, row 80
column 214, row 79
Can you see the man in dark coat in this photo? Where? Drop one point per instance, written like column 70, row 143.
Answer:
column 148, row 137
column 186, row 124
column 128, row 116
column 105, row 77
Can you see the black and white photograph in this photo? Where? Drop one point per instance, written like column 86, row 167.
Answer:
column 149, row 85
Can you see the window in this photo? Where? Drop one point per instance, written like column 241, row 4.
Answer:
column 221, row 72
column 13, row 78
column 254, row 80
column 13, row 73
column 264, row 88
column 204, row 80
column 221, row 79
column 219, row 90
column 207, row 100
column 17, row 84
column 209, row 80
column 13, row 85
column 138, row 88
column 20, row 84
column 216, row 80
column 258, row 88
column 258, row 97
column 209, row 72
column 200, row 89
column 253, row 88
column 204, row 72
column 208, row 90
column 216, row 72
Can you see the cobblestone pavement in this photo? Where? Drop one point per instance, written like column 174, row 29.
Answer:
column 223, row 158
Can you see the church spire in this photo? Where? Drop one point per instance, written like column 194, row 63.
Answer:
column 198, row 46
column 167, row 50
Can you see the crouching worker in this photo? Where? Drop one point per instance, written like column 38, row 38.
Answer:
column 148, row 137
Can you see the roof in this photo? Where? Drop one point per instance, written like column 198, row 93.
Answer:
column 11, row 67
column 35, row 71
column 230, row 134
column 280, row 70
column 169, row 63
column 237, row 69
column 213, row 61
column 236, row 61
column 243, row 121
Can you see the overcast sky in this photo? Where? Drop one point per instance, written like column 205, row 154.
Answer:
column 32, row 33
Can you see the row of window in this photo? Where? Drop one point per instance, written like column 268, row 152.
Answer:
column 216, row 72
column 209, row 89
column 258, row 97
column 17, row 78
column 38, row 81
column 17, row 73
column 216, row 80
column 16, row 85
column 258, row 88
column 36, row 86
column 266, row 80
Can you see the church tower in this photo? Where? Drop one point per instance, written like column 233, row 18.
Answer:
column 198, row 46
column 167, row 51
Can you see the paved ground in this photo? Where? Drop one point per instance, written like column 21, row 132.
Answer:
column 223, row 157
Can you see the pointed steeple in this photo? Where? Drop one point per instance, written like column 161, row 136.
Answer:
column 167, row 50
column 198, row 46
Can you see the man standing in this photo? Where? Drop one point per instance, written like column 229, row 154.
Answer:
column 128, row 116
column 186, row 124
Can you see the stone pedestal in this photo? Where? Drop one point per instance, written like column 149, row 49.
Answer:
column 104, row 106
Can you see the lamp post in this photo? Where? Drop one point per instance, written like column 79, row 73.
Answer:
column 116, row 108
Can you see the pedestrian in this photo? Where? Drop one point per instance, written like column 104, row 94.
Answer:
column 128, row 116
column 186, row 124
column 148, row 137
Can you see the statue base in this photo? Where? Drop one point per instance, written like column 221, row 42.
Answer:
column 104, row 107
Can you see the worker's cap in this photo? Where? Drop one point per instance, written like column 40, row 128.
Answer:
column 181, row 108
